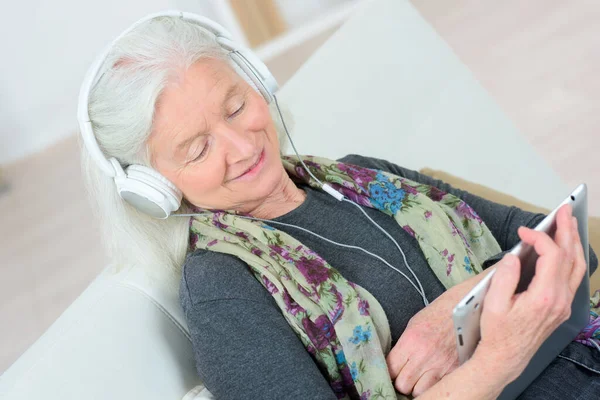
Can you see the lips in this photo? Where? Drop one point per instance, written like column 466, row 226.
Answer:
column 253, row 166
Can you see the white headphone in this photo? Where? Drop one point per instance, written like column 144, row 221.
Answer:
column 149, row 191
column 143, row 187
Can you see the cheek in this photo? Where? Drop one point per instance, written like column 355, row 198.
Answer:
column 200, row 185
column 259, row 118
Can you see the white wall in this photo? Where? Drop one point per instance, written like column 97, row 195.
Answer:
column 45, row 49
column 297, row 12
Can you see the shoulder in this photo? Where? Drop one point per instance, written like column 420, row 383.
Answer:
column 374, row 163
column 209, row 276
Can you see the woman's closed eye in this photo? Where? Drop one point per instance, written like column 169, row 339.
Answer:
column 202, row 153
column 195, row 156
column 239, row 110
column 206, row 146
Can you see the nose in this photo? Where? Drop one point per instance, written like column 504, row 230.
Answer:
column 239, row 144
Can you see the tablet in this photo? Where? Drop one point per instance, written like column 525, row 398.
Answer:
column 467, row 313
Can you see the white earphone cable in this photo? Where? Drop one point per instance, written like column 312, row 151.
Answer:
column 340, row 197
column 421, row 291
column 348, row 246
column 343, row 198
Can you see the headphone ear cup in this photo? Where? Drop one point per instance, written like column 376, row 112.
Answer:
column 148, row 191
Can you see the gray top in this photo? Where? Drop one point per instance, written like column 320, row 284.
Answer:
column 245, row 349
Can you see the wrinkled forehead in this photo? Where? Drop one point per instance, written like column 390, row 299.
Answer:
column 188, row 102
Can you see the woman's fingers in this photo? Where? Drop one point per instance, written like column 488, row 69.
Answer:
column 547, row 265
column 580, row 265
column 564, row 240
column 396, row 360
column 427, row 380
column 406, row 379
column 498, row 299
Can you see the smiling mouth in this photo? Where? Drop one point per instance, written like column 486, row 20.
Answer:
column 254, row 165
column 258, row 160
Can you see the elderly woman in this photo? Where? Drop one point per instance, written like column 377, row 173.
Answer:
column 292, row 294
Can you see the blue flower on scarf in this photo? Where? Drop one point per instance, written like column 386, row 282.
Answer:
column 468, row 265
column 385, row 195
column 354, row 371
column 340, row 358
column 377, row 192
column 360, row 335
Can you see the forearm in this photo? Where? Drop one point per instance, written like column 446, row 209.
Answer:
column 476, row 379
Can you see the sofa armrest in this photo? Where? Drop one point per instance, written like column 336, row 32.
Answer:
column 114, row 342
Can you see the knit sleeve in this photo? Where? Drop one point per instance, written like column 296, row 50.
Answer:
column 243, row 346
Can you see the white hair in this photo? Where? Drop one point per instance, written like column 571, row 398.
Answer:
column 121, row 108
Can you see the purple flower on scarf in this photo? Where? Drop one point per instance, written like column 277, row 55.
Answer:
column 193, row 240
column 427, row 214
column 435, row 194
column 256, row 251
column 408, row 188
column 366, row 395
column 290, row 305
column 271, row 288
column 465, row 211
column 304, row 291
column 212, row 243
column 446, row 254
column 456, row 231
column 282, row 252
column 313, row 270
column 337, row 312
column 453, row 228
column 312, row 164
column 352, row 195
column 410, row 230
column 363, row 307
column 347, row 376
column 301, row 172
column 218, row 223
column 362, row 176
column 320, row 332
column 592, row 331
column 242, row 235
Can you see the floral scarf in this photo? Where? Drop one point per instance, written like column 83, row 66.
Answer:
column 321, row 306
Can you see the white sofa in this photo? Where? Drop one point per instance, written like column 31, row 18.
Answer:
column 384, row 85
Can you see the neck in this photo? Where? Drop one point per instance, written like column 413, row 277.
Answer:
column 285, row 198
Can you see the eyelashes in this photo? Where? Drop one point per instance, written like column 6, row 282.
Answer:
column 239, row 110
column 205, row 149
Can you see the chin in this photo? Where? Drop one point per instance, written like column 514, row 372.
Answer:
column 268, row 181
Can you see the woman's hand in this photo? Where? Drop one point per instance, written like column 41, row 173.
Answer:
column 426, row 351
column 513, row 326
